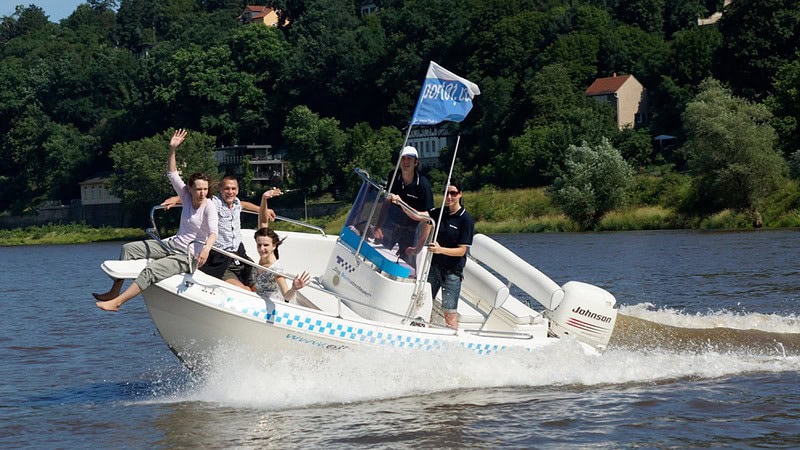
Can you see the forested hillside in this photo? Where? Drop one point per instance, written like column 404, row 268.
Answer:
column 335, row 89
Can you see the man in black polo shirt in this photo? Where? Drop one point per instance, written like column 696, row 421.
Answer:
column 393, row 226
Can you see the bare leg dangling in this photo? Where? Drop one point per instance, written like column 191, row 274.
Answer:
column 113, row 292
column 114, row 304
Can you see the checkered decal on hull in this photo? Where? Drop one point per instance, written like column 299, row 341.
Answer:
column 485, row 349
column 329, row 328
column 356, row 334
column 345, row 265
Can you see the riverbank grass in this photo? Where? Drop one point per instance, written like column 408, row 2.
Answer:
column 495, row 212
column 67, row 234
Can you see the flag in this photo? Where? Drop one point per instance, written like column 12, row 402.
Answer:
column 444, row 96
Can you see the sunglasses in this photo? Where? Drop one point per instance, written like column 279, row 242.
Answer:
column 452, row 193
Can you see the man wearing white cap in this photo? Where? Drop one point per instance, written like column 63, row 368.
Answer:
column 393, row 226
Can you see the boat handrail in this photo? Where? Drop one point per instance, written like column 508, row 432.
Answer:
column 422, row 272
column 153, row 233
column 403, row 205
column 295, row 222
column 413, row 212
column 499, row 333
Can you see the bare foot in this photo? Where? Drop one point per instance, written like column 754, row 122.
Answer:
column 107, row 306
column 103, row 297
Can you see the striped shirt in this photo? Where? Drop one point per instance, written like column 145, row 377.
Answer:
column 230, row 223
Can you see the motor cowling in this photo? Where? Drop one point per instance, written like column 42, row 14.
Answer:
column 586, row 312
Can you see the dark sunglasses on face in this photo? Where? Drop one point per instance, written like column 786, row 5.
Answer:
column 452, row 193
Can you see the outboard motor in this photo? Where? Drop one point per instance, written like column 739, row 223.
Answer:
column 577, row 309
column 586, row 312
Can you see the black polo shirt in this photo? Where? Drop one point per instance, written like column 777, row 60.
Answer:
column 418, row 194
column 456, row 230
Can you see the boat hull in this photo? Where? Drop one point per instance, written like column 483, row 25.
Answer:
column 195, row 318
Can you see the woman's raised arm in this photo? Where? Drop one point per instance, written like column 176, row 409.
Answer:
column 177, row 139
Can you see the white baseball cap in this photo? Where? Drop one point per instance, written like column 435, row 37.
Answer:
column 409, row 151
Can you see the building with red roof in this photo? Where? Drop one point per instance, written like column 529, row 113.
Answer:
column 264, row 15
column 625, row 94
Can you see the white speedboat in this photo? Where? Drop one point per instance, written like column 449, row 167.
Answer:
column 362, row 294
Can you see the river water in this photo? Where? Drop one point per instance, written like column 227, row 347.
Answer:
column 706, row 353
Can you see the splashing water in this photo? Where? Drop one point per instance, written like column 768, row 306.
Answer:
column 289, row 380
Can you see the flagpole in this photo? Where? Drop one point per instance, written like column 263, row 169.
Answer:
column 446, row 186
column 426, row 262
column 444, row 96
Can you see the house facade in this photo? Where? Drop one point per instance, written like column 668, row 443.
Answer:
column 626, row 95
column 269, row 167
column 429, row 142
column 367, row 7
column 264, row 15
column 713, row 18
column 95, row 192
column 97, row 207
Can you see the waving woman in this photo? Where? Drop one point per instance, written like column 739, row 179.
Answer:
column 198, row 228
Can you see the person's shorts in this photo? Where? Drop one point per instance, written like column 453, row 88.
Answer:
column 225, row 268
column 240, row 271
column 450, row 283
column 216, row 264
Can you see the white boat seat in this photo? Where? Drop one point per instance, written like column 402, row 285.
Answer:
column 468, row 314
column 518, row 313
column 124, row 270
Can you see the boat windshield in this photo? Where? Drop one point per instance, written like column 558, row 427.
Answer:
column 381, row 231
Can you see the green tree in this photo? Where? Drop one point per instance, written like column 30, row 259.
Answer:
column 24, row 20
column 785, row 106
column 577, row 52
column 629, row 50
column 415, row 35
column 140, row 166
column 668, row 101
column 595, row 180
column 533, row 157
column 759, row 36
column 93, row 24
column 248, row 187
column 635, row 146
column 24, row 181
column 507, row 47
column 730, row 149
column 140, row 23
column 682, row 15
column 691, row 54
column 332, row 48
column 561, row 116
column 645, row 14
column 316, row 150
column 42, row 160
column 205, row 90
